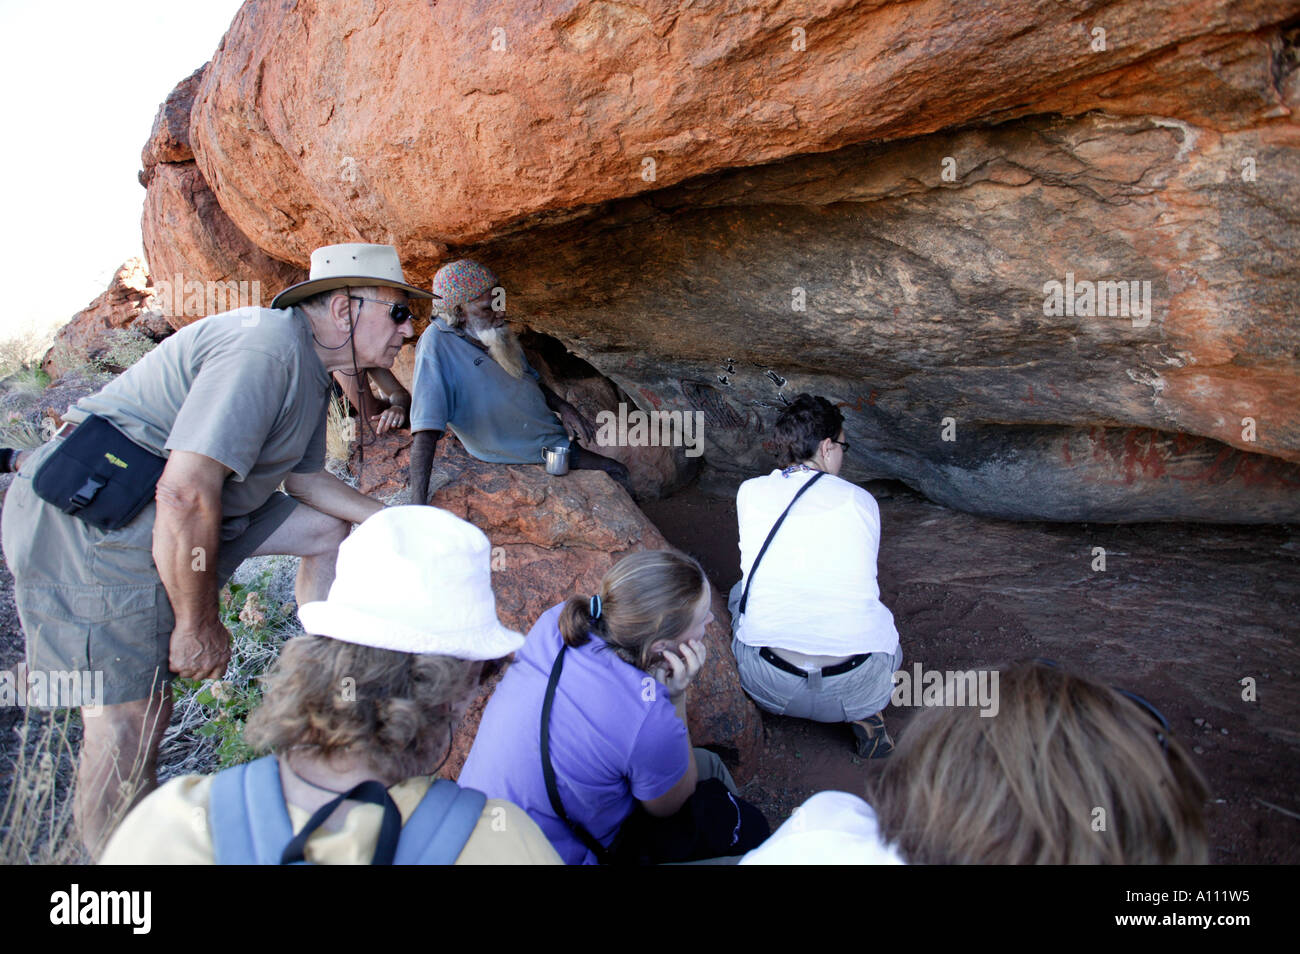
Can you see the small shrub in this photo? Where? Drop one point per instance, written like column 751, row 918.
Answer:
column 217, row 710
column 22, row 433
column 126, row 346
column 23, row 350
column 28, row 381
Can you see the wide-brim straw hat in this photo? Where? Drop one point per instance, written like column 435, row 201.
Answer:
column 353, row 265
column 414, row 579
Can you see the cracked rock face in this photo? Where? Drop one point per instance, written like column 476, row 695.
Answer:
column 935, row 313
column 1046, row 271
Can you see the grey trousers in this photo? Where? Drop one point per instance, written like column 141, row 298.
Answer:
column 848, row 697
column 708, row 766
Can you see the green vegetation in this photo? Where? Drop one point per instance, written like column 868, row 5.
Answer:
column 217, row 710
column 38, row 773
column 23, row 351
column 126, row 347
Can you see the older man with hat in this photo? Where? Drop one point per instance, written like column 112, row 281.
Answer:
column 121, row 530
column 471, row 376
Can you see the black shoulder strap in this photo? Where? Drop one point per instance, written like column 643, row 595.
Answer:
column 368, row 791
column 548, row 770
column 744, row 597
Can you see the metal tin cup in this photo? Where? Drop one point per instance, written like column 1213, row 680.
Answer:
column 557, row 460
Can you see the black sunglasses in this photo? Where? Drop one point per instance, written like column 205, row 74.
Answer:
column 844, row 444
column 399, row 313
column 1162, row 736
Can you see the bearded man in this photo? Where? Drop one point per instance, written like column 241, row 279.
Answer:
column 471, row 376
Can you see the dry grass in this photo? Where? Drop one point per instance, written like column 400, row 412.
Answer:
column 205, row 733
column 25, row 347
column 340, row 435
column 36, row 825
column 23, row 433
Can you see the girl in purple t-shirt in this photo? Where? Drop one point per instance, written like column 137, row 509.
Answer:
column 618, row 739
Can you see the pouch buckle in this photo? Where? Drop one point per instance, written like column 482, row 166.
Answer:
column 83, row 497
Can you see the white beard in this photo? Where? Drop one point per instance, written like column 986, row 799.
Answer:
column 504, row 348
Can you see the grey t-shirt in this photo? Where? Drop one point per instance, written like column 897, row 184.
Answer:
column 499, row 418
column 245, row 388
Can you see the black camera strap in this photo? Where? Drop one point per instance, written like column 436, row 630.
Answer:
column 744, row 597
column 548, row 770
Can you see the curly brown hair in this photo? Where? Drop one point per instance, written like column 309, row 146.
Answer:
column 334, row 698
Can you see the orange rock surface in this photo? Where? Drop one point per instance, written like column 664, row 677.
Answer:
column 555, row 537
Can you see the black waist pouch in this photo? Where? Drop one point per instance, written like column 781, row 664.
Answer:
column 99, row 475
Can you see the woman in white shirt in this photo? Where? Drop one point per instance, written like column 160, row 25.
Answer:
column 812, row 639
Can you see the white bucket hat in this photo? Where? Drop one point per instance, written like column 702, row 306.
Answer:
column 415, row 580
column 352, row 265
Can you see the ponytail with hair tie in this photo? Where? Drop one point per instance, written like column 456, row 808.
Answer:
column 593, row 607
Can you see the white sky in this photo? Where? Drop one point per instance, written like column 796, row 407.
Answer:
column 81, row 82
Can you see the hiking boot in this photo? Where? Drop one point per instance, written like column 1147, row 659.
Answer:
column 873, row 741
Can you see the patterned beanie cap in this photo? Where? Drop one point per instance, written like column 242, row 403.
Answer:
column 460, row 282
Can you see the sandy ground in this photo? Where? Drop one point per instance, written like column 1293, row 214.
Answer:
column 1180, row 615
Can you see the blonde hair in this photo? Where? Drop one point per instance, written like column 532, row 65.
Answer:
column 1067, row 772
column 645, row 597
column 333, row 697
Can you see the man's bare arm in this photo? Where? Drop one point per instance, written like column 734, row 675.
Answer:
column 575, row 422
column 324, row 492
column 422, row 451
column 392, row 389
column 186, row 538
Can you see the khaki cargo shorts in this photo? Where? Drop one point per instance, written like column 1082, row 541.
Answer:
column 91, row 601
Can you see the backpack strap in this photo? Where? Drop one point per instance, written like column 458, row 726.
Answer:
column 744, row 597
column 250, row 821
column 247, row 815
column 440, row 826
column 370, row 791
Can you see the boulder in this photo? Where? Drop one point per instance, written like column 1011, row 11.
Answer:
column 203, row 264
column 169, row 140
column 428, row 126
column 122, row 322
column 554, row 537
